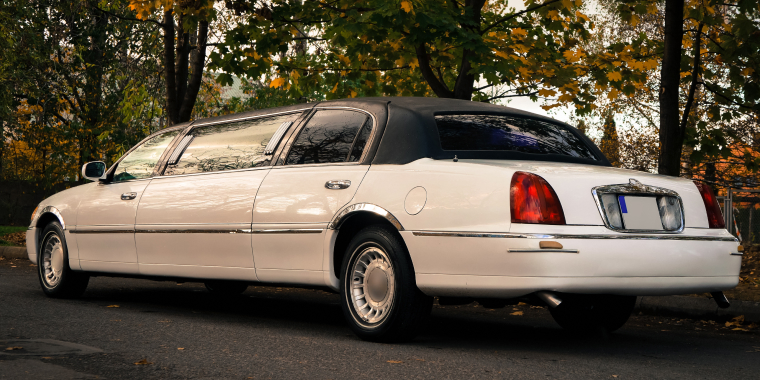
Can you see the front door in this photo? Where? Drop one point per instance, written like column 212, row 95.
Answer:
column 106, row 216
column 195, row 220
column 298, row 198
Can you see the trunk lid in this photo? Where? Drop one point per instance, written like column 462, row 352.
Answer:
column 573, row 184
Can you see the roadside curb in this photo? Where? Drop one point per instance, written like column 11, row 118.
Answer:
column 13, row 252
column 695, row 307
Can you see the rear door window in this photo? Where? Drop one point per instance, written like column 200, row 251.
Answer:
column 331, row 136
column 509, row 133
column 228, row 146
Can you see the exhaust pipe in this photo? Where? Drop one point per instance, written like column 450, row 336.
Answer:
column 551, row 299
column 720, row 299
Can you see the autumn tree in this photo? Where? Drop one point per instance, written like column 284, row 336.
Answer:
column 185, row 27
column 448, row 48
column 610, row 144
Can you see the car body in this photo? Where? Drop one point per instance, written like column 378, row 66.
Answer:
column 282, row 205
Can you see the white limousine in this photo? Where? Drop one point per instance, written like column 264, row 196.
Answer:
column 390, row 202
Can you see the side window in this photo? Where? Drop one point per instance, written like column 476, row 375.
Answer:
column 141, row 161
column 229, row 146
column 331, row 136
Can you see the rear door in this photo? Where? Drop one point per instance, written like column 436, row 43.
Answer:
column 106, row 216
column 319, row 174
column 195, row 220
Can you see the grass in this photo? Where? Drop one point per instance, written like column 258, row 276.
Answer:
column 4, row 230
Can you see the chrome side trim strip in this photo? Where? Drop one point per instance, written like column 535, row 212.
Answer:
column 569, row 236
column 289, row 231
column 539, row 250
column 111, row 231
column 186, row 231
column 341, row 216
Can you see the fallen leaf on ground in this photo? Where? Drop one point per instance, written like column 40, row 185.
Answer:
column 143, row 362
column 737, row 321
column 14, row 348
column 522, row 304
column 395, row 361
column 180, row 348
column 516, row 313
column 739, row 329
column 112, row 306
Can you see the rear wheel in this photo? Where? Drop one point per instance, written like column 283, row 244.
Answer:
column 581, row 312
column 226, row 287
column 56, row 278
column 380, row 298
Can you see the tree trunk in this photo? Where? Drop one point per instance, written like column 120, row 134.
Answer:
column 172, row 108
column 671, row 138
column 197, row 64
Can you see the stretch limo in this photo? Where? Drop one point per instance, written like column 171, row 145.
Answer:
column 390, row 202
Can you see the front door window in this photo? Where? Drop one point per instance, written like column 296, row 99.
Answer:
column 140, row 162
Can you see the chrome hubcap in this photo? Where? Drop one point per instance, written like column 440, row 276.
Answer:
column 52, row 261
column 372, row 285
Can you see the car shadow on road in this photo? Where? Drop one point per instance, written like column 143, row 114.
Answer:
column 317, row 312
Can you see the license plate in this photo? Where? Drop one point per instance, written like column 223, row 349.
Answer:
column 640, row 213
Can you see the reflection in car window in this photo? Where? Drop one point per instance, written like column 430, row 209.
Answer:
column 496, row 132
column 327, row 137
column 229, row 146
column 141, row 161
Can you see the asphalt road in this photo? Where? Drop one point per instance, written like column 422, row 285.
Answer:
column 181, row 331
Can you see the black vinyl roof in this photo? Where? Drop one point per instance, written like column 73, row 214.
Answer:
column 407, row 129
column 411, row 133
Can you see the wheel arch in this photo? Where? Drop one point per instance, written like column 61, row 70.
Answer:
column 46, row 216
column 352, row 219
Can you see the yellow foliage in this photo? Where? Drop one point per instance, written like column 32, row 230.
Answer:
column 581, row 15
column 501, row 54
column 277, row 83
column 614, row 76
column 546, row 92
column 406, row 6
column 566, row 98
column 335, row 88
column 748, row 71
column 519, row 32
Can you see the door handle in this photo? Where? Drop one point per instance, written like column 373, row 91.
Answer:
column 128, row 196
column 338, row 184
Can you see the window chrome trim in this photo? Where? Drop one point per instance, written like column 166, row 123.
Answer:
column 346, row 212
column 635, row 187
column 192, row 231
column 250, row 117
column 572, row 236
column 181, row 147
column 215, row 172
column 275, row 139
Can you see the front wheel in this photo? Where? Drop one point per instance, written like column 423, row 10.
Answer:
column 56, row 278
column 380, row 298
column 586, row 312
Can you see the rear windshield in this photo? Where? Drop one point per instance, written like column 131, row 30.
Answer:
column 509, row 133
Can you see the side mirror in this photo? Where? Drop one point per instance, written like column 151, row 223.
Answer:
column 94, row 170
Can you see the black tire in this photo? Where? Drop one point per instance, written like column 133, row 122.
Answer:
column 226, row 287
column 401, row 307
column 56, row 277
column 583, row 313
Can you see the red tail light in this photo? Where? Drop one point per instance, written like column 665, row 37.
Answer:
column 714, row 216
column 532, row 200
